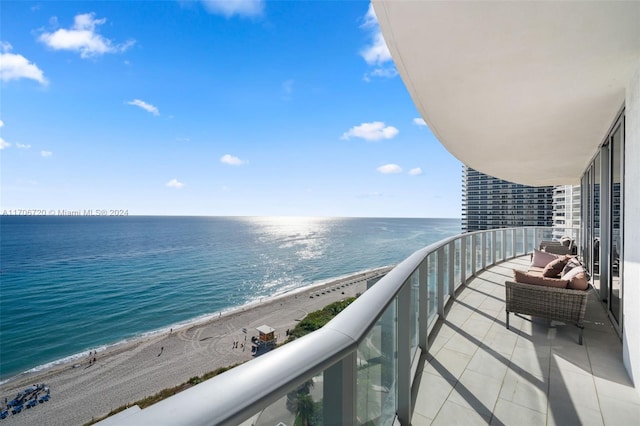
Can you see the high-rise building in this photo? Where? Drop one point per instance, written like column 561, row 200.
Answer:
column 566, row 209
column 489, row 202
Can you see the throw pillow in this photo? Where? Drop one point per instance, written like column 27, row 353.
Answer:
column 572, row 263
column 577, row 278
column 525, row 278
column 541, row 259
column 555, row 267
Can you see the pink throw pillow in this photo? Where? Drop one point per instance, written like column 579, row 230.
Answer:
column 577, row 278
column 542, row 258
column 555, row 267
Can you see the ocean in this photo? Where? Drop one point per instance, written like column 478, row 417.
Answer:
column 70, row 284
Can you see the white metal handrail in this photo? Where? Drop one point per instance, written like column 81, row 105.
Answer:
column 240, row 393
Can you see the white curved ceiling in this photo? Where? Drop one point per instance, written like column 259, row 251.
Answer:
column 523, row 91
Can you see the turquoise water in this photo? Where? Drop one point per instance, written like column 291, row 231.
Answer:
column 73, row 284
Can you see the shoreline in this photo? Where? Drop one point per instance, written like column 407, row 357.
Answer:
column 202, row 319
column 127, row 371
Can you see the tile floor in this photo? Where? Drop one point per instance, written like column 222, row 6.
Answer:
column 478, row 372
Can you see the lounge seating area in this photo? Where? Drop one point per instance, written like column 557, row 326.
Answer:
column 478, row 372
column 563, row 246
column 555, row 287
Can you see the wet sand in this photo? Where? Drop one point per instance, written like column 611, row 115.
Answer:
column 84, row 390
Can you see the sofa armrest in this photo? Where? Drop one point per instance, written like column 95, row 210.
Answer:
column 546, row 302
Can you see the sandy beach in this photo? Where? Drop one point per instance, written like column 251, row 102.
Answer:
column 84, row 390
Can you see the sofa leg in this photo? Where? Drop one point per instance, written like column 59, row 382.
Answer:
column 580, row 332
column 507, row 320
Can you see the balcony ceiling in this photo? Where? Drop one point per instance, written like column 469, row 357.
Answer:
column 523, row 91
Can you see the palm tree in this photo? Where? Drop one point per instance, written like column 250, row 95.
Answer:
column 293, row 396
column 305, row 408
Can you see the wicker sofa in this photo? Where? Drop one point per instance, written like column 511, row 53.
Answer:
column 547, row 302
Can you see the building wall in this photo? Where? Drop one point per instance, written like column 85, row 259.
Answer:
column 489, row 203
column 566, row 209
column 631, row 253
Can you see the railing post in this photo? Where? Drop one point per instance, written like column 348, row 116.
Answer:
column 525, row 240
column 452, row 274
column 514, row 239
column 504, row 244
column 440, row 280
column 483, row 254
column 404, row 354
column 423, row 306
column 494, row 257
column 463, row 260
column 339, row 392
column 474, row 255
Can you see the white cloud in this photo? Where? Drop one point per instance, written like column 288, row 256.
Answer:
column 415, row 171
column 419, row 122
column 376, row 53
column 15, row 67
column 82, row 37
column 228, row 8
column 174, row 183
column 287, row 88
column 389, row 168
column 373, row 131
column 145, row 106
column 388, row 72
column 22, row 146
column 3, row 144
column 231, row 160
column 46, row 153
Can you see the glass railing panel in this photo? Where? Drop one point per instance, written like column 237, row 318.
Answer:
column 520, row 241
column 301, row 405
column 530, row 239
column 478, row 251
column 509, row 241
column 489, row 249
column 432, row 286
column 377, row 369
column 457, row 262
column 498, row 248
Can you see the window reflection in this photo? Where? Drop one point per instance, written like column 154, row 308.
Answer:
column 616, row 155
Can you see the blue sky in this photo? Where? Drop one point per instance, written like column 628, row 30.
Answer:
column 212, row 108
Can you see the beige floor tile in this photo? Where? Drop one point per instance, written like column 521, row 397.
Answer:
column 477, row 392
column 448, row 363
column 455, row 415
column 509, row 413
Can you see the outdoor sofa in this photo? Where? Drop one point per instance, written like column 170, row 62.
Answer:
column 555, row 287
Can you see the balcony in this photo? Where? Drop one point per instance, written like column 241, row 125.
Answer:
column 427, row 344
column 478, row 372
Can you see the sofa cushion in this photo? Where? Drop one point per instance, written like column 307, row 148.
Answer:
column 540, row 258
column 572, row 263
column 577, row 277
column 555, row 267
column 535, row 271
column 526, row 278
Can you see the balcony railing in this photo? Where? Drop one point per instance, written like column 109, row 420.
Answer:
column 361, row 366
